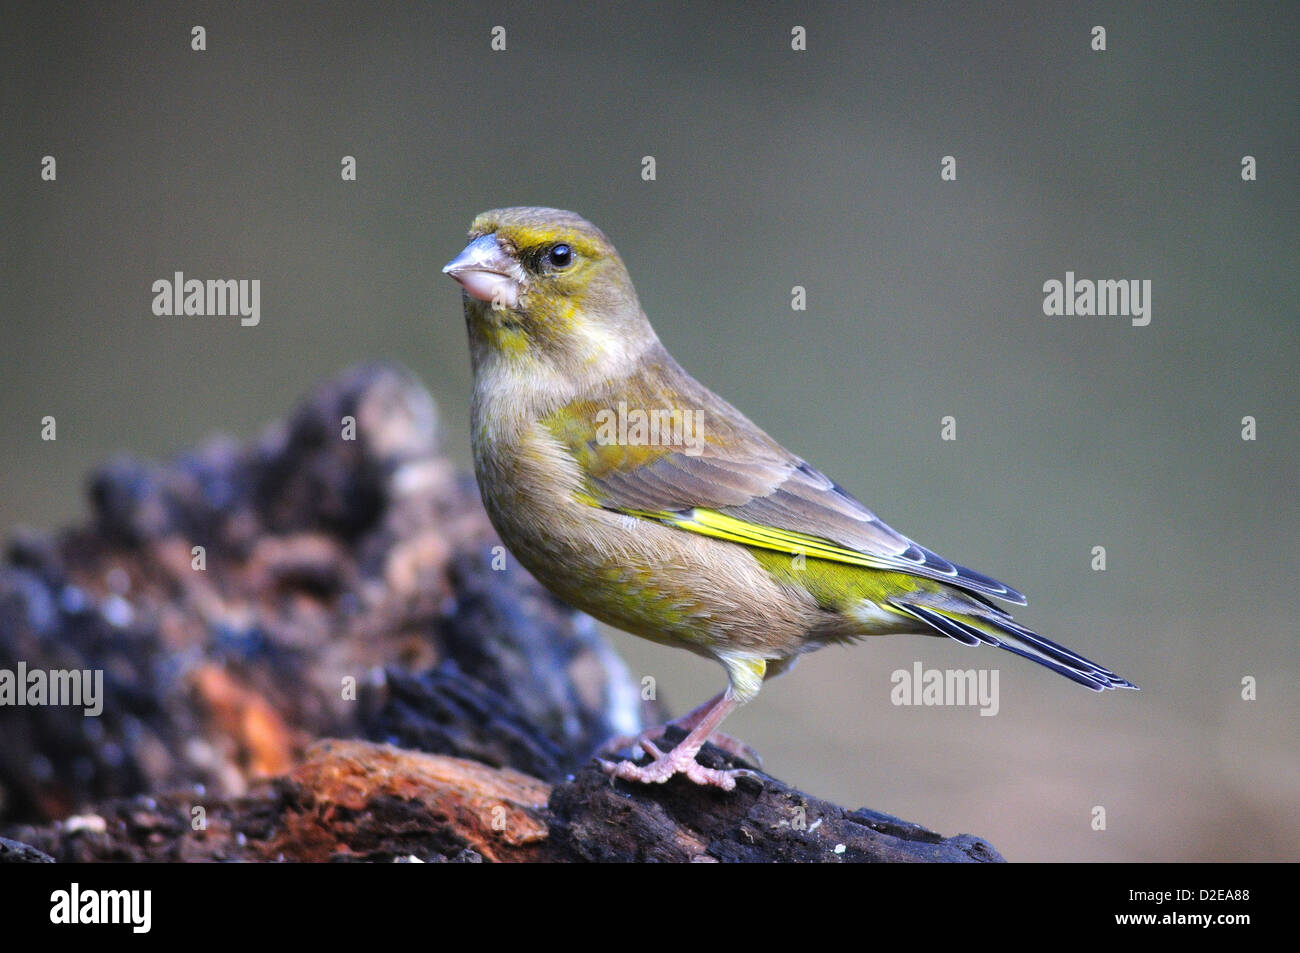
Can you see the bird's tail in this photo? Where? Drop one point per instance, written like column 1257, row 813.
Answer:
column 994, row 627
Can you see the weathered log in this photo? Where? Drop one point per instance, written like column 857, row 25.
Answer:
column 359, row 801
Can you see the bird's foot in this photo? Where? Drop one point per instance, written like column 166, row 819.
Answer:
column 688, row 723
column 680, row 760
column 644, row 741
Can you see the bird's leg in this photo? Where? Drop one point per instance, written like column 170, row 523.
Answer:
column 681, row 759
column 687, row 722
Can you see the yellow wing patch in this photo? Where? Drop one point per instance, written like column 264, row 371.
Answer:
column 721, row 526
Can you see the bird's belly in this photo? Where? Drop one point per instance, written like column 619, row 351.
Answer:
column 665, row 584
column 652, row 580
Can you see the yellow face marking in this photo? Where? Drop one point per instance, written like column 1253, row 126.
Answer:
column 525, row 237
column 509, row 339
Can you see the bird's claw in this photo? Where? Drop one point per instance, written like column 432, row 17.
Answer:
column 645, row 741
column 665, row 766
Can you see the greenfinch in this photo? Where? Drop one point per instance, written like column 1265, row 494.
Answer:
column 638, row 495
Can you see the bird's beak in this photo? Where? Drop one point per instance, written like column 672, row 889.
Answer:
column 486, row 272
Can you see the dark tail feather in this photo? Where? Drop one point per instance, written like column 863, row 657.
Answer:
column 1006, row 634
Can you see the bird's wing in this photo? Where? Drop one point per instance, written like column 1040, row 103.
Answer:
column 720, row 475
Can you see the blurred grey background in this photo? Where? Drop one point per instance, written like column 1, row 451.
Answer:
column 774, row 169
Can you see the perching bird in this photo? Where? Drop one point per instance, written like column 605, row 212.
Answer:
column 638, row 495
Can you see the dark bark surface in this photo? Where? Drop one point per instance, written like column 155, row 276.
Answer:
column 360, row 801
column 350, row 590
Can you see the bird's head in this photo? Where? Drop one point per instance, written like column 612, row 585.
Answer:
column 544, row 286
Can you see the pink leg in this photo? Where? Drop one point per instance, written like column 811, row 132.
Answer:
column 681, row 759
column 687, row 722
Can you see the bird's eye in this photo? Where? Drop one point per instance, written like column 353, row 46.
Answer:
column 560, row 255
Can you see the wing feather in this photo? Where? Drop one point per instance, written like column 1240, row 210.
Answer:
column 735, row 482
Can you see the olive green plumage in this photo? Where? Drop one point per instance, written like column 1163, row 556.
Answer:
column 643, row 498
